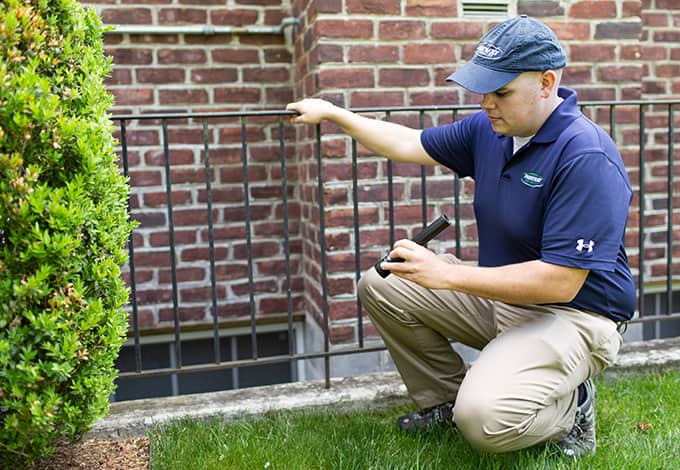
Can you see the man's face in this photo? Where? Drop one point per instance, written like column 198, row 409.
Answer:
column 517, row 108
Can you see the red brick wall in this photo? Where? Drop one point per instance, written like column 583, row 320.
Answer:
column 357, row 54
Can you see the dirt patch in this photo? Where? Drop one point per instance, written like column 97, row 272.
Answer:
column 100, row 454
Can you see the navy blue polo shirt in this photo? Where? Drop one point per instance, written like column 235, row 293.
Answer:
column 562, row 198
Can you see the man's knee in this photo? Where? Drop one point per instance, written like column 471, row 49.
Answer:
column 477, row 418
column 366, row 288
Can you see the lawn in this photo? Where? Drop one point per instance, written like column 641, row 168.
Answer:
column 638, row 427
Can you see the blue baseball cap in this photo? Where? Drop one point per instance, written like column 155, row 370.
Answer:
column 517, row 45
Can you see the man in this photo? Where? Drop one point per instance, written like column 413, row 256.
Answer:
column 552, row 282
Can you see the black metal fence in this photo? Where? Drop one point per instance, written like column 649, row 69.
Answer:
column 645, row 131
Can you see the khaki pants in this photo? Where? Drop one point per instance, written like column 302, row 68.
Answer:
column 522, row 389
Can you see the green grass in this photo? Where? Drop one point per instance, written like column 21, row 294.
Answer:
column 638, row 426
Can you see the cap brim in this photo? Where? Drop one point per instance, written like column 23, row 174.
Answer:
column 478, row 79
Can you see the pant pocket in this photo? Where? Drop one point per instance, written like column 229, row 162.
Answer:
column 604, row 354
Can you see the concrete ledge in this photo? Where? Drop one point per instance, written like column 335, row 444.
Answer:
column 136, row 417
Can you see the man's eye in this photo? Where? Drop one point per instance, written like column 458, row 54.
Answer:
column 501, row 93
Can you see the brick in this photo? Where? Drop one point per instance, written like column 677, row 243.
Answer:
column 259, row 249
column 237, row 95
column 433, row 8
column 126, row 16
column 573, row 30
column 402, row 29
column 198, row 294
column 181, row 56
column 233, row 17
column 667, row 36
column 540, row 8
column 592, row 52
column 182, row 16
column 214, row 75
column 577, row 75
column 654, row 19
column 156, row 157
column 593, row 9
column 266, row 74
column 666, row 5
column 349, row 29
column 403, row 77
column 231, row 270
column 153, row 296
column 345, row 78
column 132, row 96
column 373, row 54
column 187, row 176
column 667, row 70
column 329, row 6
column 377, row 99
column 119, row 76
column 182, row 96
column 130, row 56
column 277, row 55
column 648, row 53
column 326, row 53
column 618, row 30
column 235, row 56
column 428, row 53
column 437, row 97
column 160, row 199
column 457, row 30
column 631, row 8
column 160, row 75
column 182, row 275
column 373, row 7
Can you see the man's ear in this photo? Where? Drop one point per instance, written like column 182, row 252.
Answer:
column 549, row 81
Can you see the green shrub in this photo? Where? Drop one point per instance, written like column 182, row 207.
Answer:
column 63, row 227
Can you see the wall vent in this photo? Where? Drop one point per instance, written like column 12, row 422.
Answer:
column 486, row 8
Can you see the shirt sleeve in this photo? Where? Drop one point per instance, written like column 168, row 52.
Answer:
column 586, row 214
column 452, row 145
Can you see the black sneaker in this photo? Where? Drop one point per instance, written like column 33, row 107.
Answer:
column 428, row 419
column 581, row 439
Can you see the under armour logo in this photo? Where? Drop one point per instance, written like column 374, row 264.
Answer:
column 581, row 245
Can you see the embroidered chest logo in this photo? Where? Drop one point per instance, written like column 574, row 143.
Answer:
column 533, row 180
column 581, row 245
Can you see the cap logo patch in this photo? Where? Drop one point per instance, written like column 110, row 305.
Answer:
column 488, row 51
column 533, row 180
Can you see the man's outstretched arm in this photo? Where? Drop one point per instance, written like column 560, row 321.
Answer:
column 391, row 140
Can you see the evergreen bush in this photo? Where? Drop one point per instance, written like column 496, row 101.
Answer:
column 63, row 228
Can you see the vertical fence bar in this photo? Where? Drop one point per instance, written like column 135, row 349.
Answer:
column 669, row 231
column 357, row 243
column 390, row 192
column 286, row 241
column 211, row 245
column 641, row 226
column 456, row 202
column 171, row 241
column 612, row 122
column 324, row 267
column 131, row 255
column 249, row 243
column 423, row 180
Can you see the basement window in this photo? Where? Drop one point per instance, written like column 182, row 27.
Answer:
column 487, row 8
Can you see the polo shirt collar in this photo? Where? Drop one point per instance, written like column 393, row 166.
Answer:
column 566, row 112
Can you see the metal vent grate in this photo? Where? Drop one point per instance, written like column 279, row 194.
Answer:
column 485, row 8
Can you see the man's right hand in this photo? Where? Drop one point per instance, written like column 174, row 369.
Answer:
column 312, row 110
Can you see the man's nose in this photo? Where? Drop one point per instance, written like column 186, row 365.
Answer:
column 487, row 101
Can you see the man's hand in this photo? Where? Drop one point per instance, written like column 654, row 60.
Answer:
column 420, row 265
column 312, row 110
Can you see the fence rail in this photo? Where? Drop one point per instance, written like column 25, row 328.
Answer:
column 182, row 165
